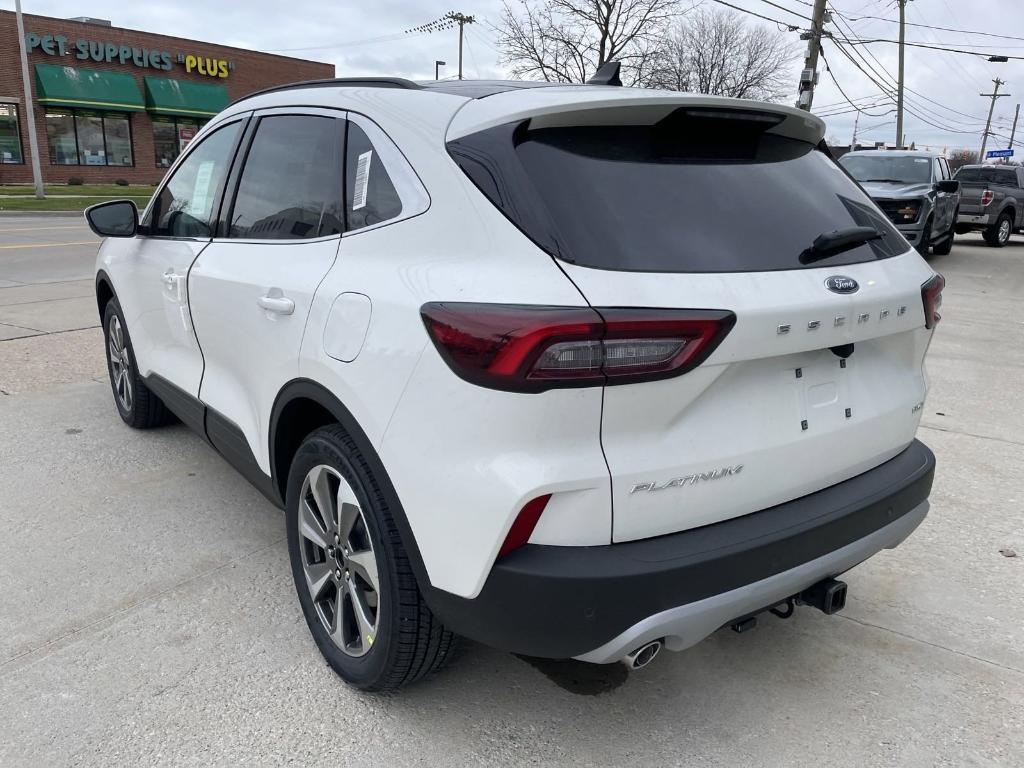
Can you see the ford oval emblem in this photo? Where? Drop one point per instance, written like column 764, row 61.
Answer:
column 841, row 284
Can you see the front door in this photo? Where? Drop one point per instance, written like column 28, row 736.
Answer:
column 252, row 288
column 151, row 275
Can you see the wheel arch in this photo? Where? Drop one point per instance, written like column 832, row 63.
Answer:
column 104, row 292
column 303, row 406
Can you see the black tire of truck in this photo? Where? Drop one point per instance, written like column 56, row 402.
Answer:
column 998, row 234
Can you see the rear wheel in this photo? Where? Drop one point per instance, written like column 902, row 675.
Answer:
column 136, row 404
column 998, row 234
column 354, row 580
column 946, row 245
column 926, row 238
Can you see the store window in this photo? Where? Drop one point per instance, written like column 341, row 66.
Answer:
column 10, row 138
column 89, row 138
column 170, row 137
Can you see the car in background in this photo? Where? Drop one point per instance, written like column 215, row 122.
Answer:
column 914, row 189
column 992, row 201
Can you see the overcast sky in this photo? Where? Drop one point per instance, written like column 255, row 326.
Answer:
column 368, row 39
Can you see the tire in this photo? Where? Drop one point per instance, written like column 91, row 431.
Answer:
column 926, row 238
column 387, row 637
column 998, row 234
column 136, row 404
column 944, row 247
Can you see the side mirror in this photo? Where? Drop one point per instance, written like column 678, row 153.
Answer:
column 948, row 185
column 117, row 218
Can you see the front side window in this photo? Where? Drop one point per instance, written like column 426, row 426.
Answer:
column 170, row 137
column 184, row 207
column 291, row 185
column 371, row 195
column 89, row 138
column 10, row 137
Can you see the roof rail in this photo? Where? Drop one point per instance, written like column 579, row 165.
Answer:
column 338, row 82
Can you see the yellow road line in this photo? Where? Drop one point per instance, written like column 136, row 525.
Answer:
column 48, row 245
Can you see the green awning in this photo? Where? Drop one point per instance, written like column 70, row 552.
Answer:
column 77, row 87
column 184, row 97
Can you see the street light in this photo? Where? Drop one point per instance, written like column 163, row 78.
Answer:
column 437, row 64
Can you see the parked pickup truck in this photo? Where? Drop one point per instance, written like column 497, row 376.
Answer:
column 914, row 190
column 992, row 201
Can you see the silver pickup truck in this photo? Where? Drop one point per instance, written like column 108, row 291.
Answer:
column 991, row 200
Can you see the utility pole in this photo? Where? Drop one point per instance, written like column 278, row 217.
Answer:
column 1013, row 133
column 991, row 108
column 899, row 89
column 809, row 74
column 30, row 113
column 853, row 141
column 462, row 20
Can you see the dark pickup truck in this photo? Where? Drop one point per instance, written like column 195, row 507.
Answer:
column 991, row 200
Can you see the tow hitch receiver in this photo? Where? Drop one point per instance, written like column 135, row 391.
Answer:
column 828, row 596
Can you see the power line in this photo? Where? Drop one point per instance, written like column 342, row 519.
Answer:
column 786, row 24
column 787, row 10
column 943, row 29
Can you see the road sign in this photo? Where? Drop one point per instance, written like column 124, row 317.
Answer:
column 999, row 153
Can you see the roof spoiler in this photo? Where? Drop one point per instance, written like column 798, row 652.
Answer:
column 607, row 74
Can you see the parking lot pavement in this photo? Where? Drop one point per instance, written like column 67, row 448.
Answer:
column 46, row 275
column 148, row 613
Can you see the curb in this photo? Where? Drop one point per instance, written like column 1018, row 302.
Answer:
column 21, row 214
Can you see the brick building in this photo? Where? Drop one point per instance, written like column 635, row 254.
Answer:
column 113, row 103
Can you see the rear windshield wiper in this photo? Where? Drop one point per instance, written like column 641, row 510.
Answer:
column 831, row 243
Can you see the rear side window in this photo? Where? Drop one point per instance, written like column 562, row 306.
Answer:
column 290, row 187
column 988, row 175
column 184, row 206
column 678, row 196
column 372, row 197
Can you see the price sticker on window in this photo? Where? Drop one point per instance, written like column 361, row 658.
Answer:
column 362, row 180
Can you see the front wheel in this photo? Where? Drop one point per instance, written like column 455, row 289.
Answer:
column 946, row 246
column 354, row 580
column 998, row 234
column 136, row 404
column 926, row 238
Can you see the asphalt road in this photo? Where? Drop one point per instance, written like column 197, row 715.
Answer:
column 147, row 614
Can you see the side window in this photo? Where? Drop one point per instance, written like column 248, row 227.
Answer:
column 291, row 187
column 945, row 168
column 371, row 195
column 937, row 170
column 184, row 207
column 1007, row 177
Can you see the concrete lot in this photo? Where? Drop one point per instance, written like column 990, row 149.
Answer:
column 147, row 614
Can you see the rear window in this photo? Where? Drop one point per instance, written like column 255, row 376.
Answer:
column 696, row 198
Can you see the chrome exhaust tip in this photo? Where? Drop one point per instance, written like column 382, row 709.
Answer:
column 643, row 655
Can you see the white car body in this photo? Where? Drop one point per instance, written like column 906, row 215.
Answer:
column 234, row 322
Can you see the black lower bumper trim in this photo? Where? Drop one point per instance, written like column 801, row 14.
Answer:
column 559, row 602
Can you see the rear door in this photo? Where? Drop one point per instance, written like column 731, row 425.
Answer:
column 819, row 380
column 252, row 287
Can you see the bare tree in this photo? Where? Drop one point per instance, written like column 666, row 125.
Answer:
column 961, row 157
column 567, row 40
column 715, row 51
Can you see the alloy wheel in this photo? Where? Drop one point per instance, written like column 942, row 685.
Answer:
column 338, row 560
column 120, row 364
column 1004, row 230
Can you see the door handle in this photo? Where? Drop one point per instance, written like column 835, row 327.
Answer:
column 275, row 301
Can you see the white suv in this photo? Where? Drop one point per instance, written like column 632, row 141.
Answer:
column 575, row 371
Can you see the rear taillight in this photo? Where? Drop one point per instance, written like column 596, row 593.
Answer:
column 531, row 349
column 931, row 295
column 986, row 197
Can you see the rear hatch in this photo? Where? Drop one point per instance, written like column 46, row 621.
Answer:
column 715, row 206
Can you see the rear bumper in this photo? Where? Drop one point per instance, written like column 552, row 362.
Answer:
column 599, row 603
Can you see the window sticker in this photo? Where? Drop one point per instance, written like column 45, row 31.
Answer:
column 362, row 180
column 201, row 189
